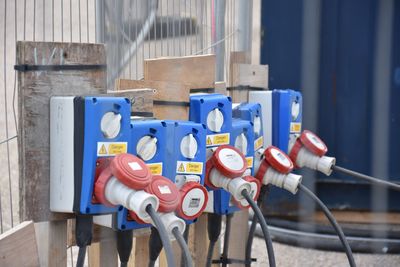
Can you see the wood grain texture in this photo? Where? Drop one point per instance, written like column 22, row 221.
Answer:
column 104, row 253
column 18, row 246
column 34, row 91
column 141, row 252
column 198, row 71
column 250, row 75
column 141, row 99
column 52, row 243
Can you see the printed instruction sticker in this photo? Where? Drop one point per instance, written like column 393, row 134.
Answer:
column 295, row 127
column 189, row 167
column 105, row 149
column 164, row 189
column 217, row 139
column 258, row 143
column 249, row 161
column 155, row 168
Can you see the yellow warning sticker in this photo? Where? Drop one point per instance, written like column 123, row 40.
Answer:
column 105, row 149
column 295, row 127
column 155, row 168
column 189, row 167
column 217, row 139
column 249, row 162
column 258, row 143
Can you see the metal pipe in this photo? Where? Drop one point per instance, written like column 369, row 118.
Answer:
column 219, row 13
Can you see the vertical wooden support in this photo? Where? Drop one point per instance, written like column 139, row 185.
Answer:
column 52, row 243
column 141, row 251
column 35, row 87
column 104, row 253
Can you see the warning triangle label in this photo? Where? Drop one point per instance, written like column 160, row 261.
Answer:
column 103, row 150
column 209, row 142
column 181, row 168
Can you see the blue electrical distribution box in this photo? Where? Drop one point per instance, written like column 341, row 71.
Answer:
column 200, row 108
column 162, row 142
column 286, row 117
column 244, row 127
column 77, row 142
column 144, row 134
column 252, row 112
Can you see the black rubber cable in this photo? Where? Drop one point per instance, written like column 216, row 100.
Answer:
column 225, row 250
column 333, row 222
column 371, row 179
column 124, row 246
column 210, row 252
column 186, row 237
column 213, row 230
column 184, row 247
column 264, row 227
column 80, row 262
column 155, row 246
column 163, row 235
column 249, row 244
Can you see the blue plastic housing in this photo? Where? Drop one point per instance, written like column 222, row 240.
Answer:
column 248, row 111
column 139, row 129
column 93, row 110
column 284, row 125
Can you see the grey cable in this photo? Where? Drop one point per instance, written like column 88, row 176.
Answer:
column 371, row 179
column 333, row 222
column 264, row 227
column 184, row 247
column 163, row 235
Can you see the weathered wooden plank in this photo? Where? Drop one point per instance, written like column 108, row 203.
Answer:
column 141, row 99
column 34, row 91
column 52, row 242
column 250, row 75
column 198, row 71
column 104, row 253
column 141, row 251
column 360, row 217
column 20, row 239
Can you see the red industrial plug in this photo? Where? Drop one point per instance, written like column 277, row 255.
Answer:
column 309, row 151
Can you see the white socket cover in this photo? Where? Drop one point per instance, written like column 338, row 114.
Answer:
column 215, row 120
column 189, row 146
column 257, row 125
column 241, row 143
column 193, row 202
column 110, row 124
column 182, row 179
column 282, row 159
column 295, row 109
column 252, row 193
column 231, row 159
column 146, row 148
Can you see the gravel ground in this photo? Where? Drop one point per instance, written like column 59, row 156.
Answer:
column 290, row 256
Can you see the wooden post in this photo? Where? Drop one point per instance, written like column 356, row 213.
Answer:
column 35, row 87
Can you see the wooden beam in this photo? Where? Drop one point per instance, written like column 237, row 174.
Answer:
column 34, row 91
column 198, row 71
column 360, row 217
column 250, row 75
column 141, row 99
column 18, row 246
